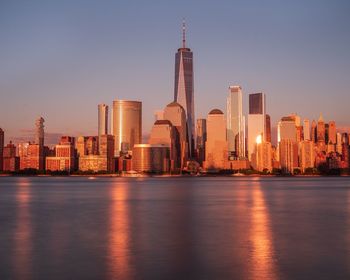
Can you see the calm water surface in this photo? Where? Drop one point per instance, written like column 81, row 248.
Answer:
column 175, row 228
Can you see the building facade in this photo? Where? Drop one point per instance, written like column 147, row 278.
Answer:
column 216, row 147
column 126, row 125
column 184, row 88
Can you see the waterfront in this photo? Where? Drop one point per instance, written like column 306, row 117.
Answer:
column 174, row 228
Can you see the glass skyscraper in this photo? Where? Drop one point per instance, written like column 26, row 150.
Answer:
column 184, row 90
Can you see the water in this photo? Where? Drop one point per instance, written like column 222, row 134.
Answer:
column 174, row 228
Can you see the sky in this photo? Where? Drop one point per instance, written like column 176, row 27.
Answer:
column 60, row 59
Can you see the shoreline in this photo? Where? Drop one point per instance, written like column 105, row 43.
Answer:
column 173, row 176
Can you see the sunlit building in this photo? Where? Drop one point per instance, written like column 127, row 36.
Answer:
column 104, row 160
column 102, row 120
column 332, row 133
column 321, row 130
column 10, row 159
column 268, row 128
column 126, row 125
column 314, row 131
column 164, row 133
column 184, row 87
column 2, row 140
column 235, row 122
column 306, row 155
column 306, row 129
column 175, row 113
column 338, row 147
column 65, row 156
column 216, row 147
column 263, row 155
column 201, row 133
column 256, row 121
column 150, row 158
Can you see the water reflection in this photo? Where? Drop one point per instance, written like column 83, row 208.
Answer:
column 263, row 265
column 119, row 233
column 23, row 232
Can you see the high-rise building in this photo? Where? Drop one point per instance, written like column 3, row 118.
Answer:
column 102, row 161
column 314, row 131
column 268, row 128
column 287, row 129
column 201, row 132
column 306, row 155
column 11, row 161
column 175, row 113
column 263, row 155
column 127, row 125
column 321, row 130
column 256, row 121
column 339, row 143
column 153, row 158
column 2, row 140
column 288, row 154
column 164, row 133
column 216, row 147
column 306, row 129
column 102, row 119
column 235, row 122
column 184, row 87
column 332, row 133
column 65, row 156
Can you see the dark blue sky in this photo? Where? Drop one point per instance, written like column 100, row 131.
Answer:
column 59, row 59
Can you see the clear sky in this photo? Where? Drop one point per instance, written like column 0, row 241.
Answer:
column 59, row 59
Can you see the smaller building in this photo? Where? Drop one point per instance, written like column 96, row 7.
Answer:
column 152, row 158
column 65, row 156
column 10, row 160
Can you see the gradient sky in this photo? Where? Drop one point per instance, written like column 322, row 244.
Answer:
column 59, row 59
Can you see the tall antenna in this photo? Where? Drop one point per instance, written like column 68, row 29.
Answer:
column 183, row 33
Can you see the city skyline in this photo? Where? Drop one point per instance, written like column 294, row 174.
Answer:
column 31, row 92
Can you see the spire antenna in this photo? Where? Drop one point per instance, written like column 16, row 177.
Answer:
column 183, row 33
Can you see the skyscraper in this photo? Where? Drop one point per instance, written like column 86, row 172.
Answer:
column 268, row 128
column 235, row 122
column 102, row 119
column 127, row 125
column 216, row 148
column 184, row 86
column 39, row 135
column 164, row 133
column 256, row 121
column 321, row 130
column 306, row 129
column 313, row 131
column 201, row 133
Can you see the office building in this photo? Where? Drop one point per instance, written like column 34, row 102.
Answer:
column 184, row 87
column 256, row 121
column 164, row 133
column 306, row 155
column 65, row 156
column 268, row 128
column 306, row 129
column 201, row 134
column 102, row 121
column 332, row 133
column 10, row 160
column 150, row 158
column 126, row 125
column 2, row 140
column 176, row 114
column 235, row 122
column 216, row 147
column 314, row 131
column 321, row 130
column 263, row 155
